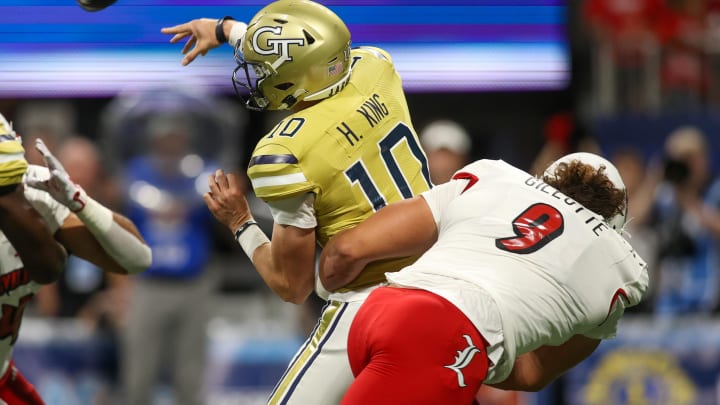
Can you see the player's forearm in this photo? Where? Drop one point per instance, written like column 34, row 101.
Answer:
column 340, row 263
column 258, row 249
column 287, row 264
column 273, row 278
column 118, row 237
column 404, row 228
column 43, row 258
column 526, row 375
column 278, row 278
column 533, row 371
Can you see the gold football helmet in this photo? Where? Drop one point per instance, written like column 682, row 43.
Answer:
column 293, row 50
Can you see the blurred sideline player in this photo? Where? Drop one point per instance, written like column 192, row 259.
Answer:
column 41, row 220
column 347, row 150
column 523, row 278
column 447, row 145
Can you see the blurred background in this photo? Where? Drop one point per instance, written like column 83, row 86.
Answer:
column 524, row 81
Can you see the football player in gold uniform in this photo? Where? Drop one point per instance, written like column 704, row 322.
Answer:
column 346, row 151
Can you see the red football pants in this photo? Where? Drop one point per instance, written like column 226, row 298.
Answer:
column 16, row 390
column 409, row 346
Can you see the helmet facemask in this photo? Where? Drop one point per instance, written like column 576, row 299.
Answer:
column 246, row 79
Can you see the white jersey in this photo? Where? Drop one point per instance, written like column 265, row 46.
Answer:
column 16, row 288
column 528, row 265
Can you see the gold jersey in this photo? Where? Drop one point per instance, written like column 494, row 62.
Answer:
column 356, row 151
column 12, row 155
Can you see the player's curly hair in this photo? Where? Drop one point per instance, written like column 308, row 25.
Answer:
column 589, row 187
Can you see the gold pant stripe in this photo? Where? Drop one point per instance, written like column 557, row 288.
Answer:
column 303, row 359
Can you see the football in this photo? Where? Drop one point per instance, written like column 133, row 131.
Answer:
column 95, row 5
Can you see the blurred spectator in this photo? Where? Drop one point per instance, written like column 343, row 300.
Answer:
column 650, row 54
column 684, row 71
column 564, row 133
column 712, row 46
column 685, row 218
column 52, row 121
column 84, row 290
column 626, row 23
column 448, row 147
column 640, row 184
column 169, row 305
column 625, row 40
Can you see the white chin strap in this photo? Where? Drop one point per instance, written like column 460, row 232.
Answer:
column 618, row 221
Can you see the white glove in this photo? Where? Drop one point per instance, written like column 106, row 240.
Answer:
column 59, row 185
column 127, row 249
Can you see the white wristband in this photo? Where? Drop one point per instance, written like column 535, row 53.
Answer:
column 237, row 33
column 250, row 237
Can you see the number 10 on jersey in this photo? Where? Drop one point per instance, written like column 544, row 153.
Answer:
column 358, row 173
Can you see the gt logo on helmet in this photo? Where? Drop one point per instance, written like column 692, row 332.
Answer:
column 275, row 46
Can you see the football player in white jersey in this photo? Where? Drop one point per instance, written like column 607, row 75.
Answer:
column 520, row 280
column 44, row 215
column 347, row 150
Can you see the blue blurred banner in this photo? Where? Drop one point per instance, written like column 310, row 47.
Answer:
column 54, row 48
column 646, row 133
column 658, row 362
column 71, row 365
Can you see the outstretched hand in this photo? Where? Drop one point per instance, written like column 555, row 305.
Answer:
column 226, row 200
column 59, row 185
column 201, row 33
